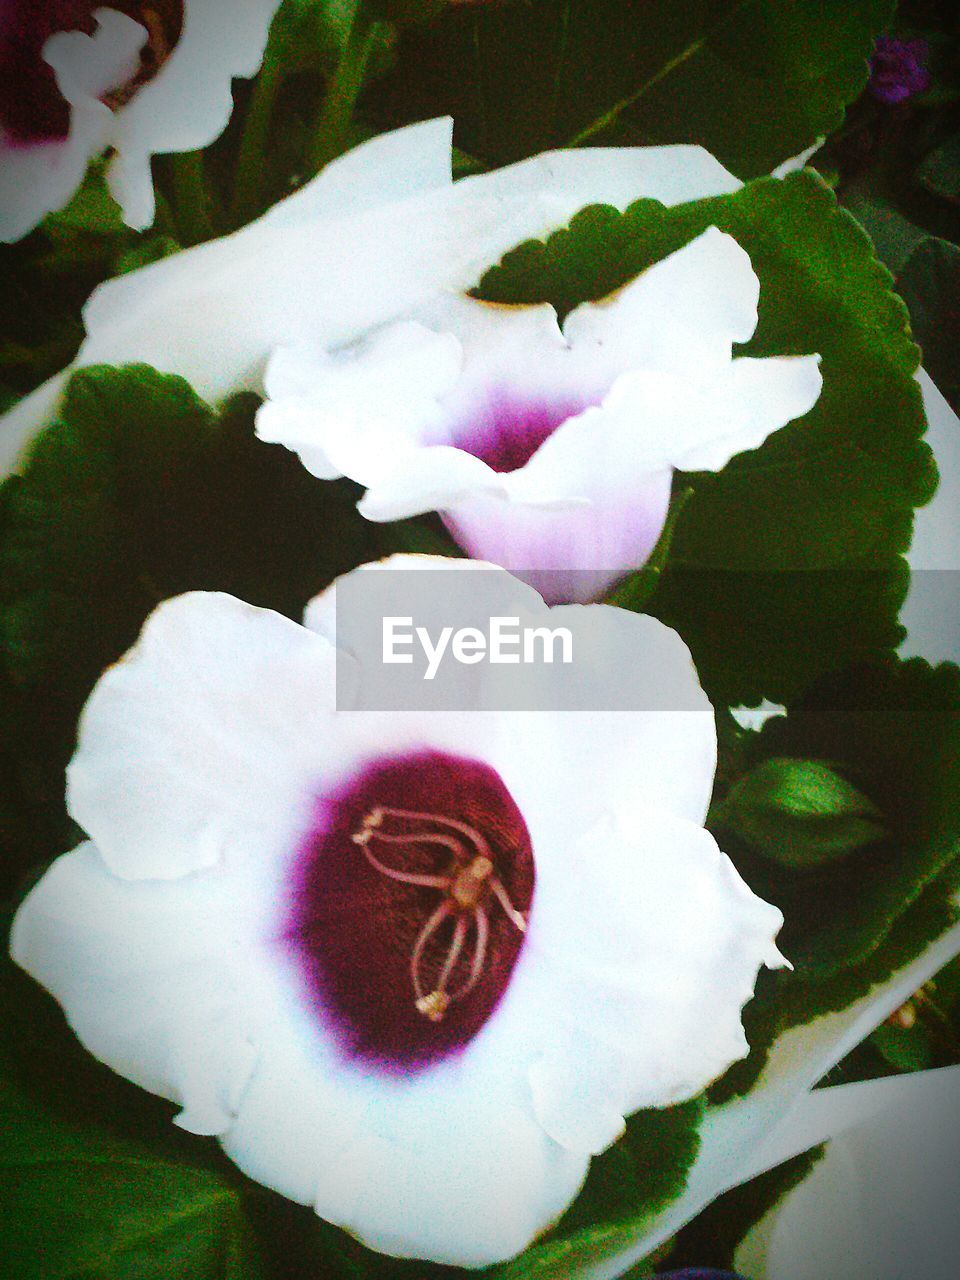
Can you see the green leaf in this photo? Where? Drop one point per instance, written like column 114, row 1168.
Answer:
column 92, row 209
column 137, row 492
column 626, row 1186
column 930, row 285
column 800, row 813
column 940, row 171
column 79, row 1203
column 94, row 1178
column 895, row 731
column 755, row 81
column 149, row 249
column 789, row 563
column 782, row 1001
column 894, row 235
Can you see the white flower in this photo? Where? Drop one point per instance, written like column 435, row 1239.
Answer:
column 379, row 233
column 547, row 450
column 411, row 969
column 154, row 78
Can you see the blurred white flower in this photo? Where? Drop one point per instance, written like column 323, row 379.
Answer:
column 412, row 969
column 137, row 78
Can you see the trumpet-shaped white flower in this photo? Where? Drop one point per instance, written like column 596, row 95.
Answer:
column 136, row 77
column 411, row 969
column 547, row 450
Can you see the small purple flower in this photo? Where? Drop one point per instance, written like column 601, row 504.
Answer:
column 898, row 69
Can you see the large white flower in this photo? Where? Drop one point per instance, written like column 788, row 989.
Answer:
column 547, row 450
column 135, row 77
column 411, row 969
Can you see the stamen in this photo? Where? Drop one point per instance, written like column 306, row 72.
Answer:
column 466, row 885
column 420, row 837
column 482, row 923
column 440, row 819
column 407, row 877
column 500, row 893
column 471, row 883
column 453, row 955
column 423, row 937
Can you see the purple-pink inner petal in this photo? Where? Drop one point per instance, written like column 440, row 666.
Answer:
column 506, row 431
column 354, row 930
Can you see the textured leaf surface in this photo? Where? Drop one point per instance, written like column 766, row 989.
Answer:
column 930, row 285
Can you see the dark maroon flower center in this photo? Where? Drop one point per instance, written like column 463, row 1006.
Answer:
column 410, row 904
column 32, row 108
column 507, row 432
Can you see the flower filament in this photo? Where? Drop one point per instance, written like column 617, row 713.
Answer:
column 468, row 883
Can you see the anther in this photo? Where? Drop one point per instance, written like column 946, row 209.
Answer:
column 434, row 1006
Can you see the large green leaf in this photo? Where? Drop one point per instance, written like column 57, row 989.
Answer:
column 895, row 730
column 755, row 81
column 788, row 563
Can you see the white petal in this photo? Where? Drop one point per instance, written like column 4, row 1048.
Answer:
column 39, row 178
column 932, row 606
column 450, row 1165
column 179, row 986
column 657, row 747
column 320, row 614
column 859, row 1213
column 747, row 403
column 144, row 974
column 570, row 180
column 681, row 315
column 214, row 313
column 188, row 102
column 567, row 551
column 216, row 719
column 643, row 732
column 797, row 162
column 397, row 165
column 427, row 480
column 591, row 503
column 361, row 410
column 515, row 349
column 649, row 944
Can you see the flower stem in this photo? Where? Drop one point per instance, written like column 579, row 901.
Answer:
column 256, row 131
column 192, row 198
column 336, row 114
